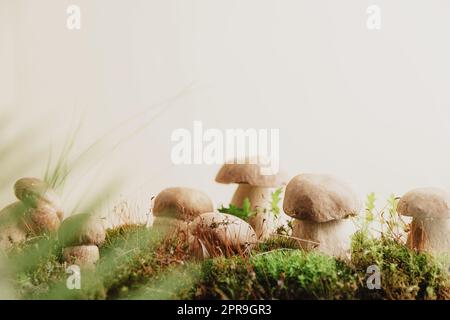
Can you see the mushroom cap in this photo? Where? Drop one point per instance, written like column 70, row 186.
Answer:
column 225, row 231
column 35, row 192
column 82, row 229
column 249, row 171
column 13, row 212
column 425, row 203
column 83, row 256
column 181, row 203
column 319, row 198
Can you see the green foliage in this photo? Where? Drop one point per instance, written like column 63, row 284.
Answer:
column 275, row 201
column 291, row 274
column 138, row 263
column 405, row 274
column 246, row 212
column 243, row 213
column 370, row 207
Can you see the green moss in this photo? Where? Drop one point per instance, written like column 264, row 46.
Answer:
column 291, row 274
column 405, row 274
column 138, row 263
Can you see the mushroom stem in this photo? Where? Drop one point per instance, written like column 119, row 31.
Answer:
column 259, row 197
column 430, row 234
column 334, row 237
column 84, row 256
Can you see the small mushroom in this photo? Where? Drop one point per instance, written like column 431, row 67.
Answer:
column 256, row 183
column 430, row 227
column 82, row 229
column 81, row 234
column 215, row 233
column 84, row 256
column 321, row 205
column 174, row 207
column 35, row 193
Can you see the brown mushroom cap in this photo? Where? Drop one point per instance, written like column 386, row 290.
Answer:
column 219, row 230
column 248, row 171
column 181, row 203
column 425, row 203
column 319, row 198
column 82, row 229
column 13, row 213
column 35, row 192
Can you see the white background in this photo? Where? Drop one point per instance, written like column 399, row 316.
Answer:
column 372, row 107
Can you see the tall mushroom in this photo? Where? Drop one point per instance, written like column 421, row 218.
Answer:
column 430, row 227
column 215, row 233
column 175, row 207
column 321, row 206
column 81, row 235
column 257, row 186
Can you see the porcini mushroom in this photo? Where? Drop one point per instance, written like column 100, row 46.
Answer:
column 215, row 233
column 256, row 182
column 320, row 205
column 35, row 193
column 82, row 229
column 175, row 207
column 430, row 227
column 79, row 234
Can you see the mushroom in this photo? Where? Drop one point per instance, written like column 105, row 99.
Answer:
column 12, row 228
column 81, row 234
column 35, row 193
column 253, row 184
column 86, row 255
column 430, row 227
column 215, row 233
column 257, row 186
column 82, row 229
column 321, row 205
column 175, row 207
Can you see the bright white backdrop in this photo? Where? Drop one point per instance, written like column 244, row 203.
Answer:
column 372, row 107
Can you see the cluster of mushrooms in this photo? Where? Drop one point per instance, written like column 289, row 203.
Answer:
column 38, row 211
column 318, row 209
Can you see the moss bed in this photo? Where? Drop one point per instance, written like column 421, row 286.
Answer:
column 137, row 263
